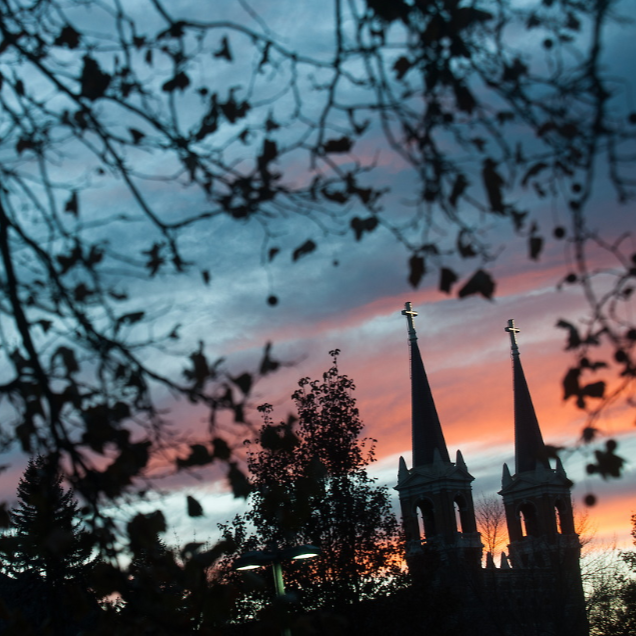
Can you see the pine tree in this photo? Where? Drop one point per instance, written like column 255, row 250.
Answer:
column 48, row 538
column 47, row 553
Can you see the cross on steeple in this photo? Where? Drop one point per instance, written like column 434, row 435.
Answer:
column 513, row 331
column 410, row 314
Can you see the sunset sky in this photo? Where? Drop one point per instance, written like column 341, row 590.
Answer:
column 348, row 295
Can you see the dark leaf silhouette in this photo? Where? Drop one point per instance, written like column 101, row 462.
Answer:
column 241, row 487
column 417, row 269
column 94, row 82
column 306, row 248
column 199, row 456
column 222, row 450
column 535, row 246
column 243, row 382
column 360, row 226
column 179, row 82
column 447, row 278
column 493, row 184
column 136, row 135
column 574, row 338
column 481, row 283
column 71, row 206
column 68, row 37
column 224, row 51
column 342, row 144
column 194, row 507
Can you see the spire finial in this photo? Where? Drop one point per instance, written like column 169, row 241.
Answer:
column 513, row 331
column 410, row 314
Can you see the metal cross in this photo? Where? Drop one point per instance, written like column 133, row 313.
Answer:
column 513, row 331
column 410, row 314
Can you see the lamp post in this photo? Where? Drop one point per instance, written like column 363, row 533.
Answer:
column 260, row 558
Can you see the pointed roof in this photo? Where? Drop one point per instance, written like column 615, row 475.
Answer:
column 426, row 430
column 529, row 445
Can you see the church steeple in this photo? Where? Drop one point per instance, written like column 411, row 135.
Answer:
column 426, row 430
column 438, row 513
column 529, row 446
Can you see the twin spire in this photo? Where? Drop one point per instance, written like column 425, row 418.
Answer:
column 428, row 438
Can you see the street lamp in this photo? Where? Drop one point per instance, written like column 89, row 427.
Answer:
column 259, row 558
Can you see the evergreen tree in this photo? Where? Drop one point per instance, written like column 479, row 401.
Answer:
column 311, row 487
column 47, row 553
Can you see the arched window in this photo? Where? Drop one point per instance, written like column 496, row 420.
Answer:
column 428, row 518
column 529, row 521
column 461, row 514
column 559, row 509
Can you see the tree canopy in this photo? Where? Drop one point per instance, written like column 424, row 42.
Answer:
column 310, row 486
column 113, row 115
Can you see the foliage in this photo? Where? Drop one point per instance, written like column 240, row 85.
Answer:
column 311, row 487
column 47, row 555
column 612, row 602
column 46, row 539
column 112, row 115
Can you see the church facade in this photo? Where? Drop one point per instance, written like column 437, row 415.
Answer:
column 535, row 589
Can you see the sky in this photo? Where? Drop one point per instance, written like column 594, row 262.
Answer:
column 348, row 295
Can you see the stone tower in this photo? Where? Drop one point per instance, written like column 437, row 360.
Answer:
column 544, row 547
column 435, row 494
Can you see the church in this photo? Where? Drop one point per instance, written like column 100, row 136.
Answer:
column 536, row 588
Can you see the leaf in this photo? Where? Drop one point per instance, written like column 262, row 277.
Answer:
column 180, row 81
column 447, row 279
column 136, row 135
column 401, row 66
column 535, row 246
column 222, row 450
column 199, row 456
column 574, row 338
column 68, row 37
column 241, row 487
column 571, row 383
column 71, row 207
column 594, row 390
column 343, row 144
column 243, row 382
column 224, row 51
column 144, row 528
column 360, row 226
column 337, row 196
column 232, row 110
column 195, row 509
column 417, row 269
column 93, row 80
column 306, row 248
column 493, row 184
column 608, row 464
column 155, row 259
column 481, row 282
